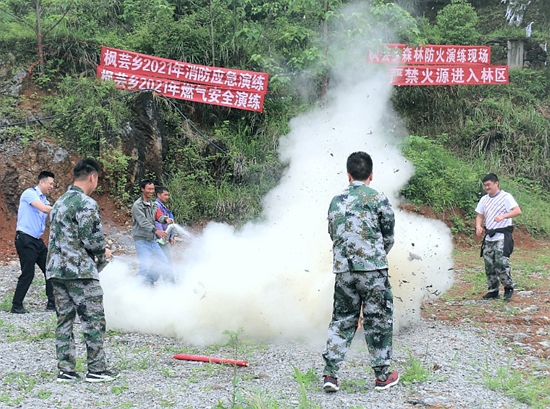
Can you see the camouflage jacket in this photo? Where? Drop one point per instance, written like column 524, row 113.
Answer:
column 360, row 224
column 77, row 243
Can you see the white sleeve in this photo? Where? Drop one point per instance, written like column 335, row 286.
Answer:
column 510, row 202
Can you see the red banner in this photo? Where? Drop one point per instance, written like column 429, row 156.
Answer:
column 449, row 75
column 231, row 98
column 149, row 66
column 432, row 55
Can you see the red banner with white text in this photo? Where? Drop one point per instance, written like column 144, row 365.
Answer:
column 449, row 75
column 431, row 55
column 198, row 83
column 231, row 98
column 149, row 66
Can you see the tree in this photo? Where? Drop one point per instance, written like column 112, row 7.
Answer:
column 38, row 15
column 457, row 24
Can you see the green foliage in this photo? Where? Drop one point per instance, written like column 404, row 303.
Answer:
column 414, row 371
column 305, row 380
column 529, row 389
column 115, row 165
column 505, row 126
column 532, row 197
column 5, row 303
column 440, row 179
column 457, row 24
column 449, row 184
column 86, row 110
column 208, row 184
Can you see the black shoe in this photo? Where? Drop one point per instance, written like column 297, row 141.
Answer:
column 491, row 294
column 50, row 307
column 67, row 376
column 103, row 376
column 18, row 310
column 508, row 293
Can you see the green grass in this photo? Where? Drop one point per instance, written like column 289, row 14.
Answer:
column 414, row 371
column 305, row 381
column 41, row 330
column 5, row 302
column 525, row 388
column 354, row 386
column 445, row 182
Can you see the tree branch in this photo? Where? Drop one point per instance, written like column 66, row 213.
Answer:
column 60, row 19
column 17, row 18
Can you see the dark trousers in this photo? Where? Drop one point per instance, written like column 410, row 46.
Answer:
column 31, row 251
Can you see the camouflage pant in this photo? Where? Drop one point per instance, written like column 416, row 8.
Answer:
column 372, row 289
column 497, row 267
column 84, row 297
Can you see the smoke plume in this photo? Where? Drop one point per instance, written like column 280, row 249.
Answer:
column 273, row 277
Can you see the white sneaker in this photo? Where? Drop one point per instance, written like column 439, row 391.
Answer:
column 103, row 376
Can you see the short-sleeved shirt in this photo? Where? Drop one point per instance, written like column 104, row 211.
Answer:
column 493, row 206
column 361, row 225
column 30, row 220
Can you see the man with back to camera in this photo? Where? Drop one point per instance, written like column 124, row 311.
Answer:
column 33, row 211
column 498, row 208
column 163, row 196
column 361, row 225
column 76, row 254
column 152, row 261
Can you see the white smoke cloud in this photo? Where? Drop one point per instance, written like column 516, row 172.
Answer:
column 273, row 277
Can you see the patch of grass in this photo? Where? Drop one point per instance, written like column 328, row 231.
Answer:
column 169, row 373
column 353, row 386
column 22, row 382
column 5, row 302
column 126, row 405
column 529, row 389
column 43, row 394
column 414, row 371
column 305, row 381
column 80, row 364
column 41, row 330
column 119, row 389
column 306, row 378
column 258, row 399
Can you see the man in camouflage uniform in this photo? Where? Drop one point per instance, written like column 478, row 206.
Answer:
column 76, row 254
column 360, row 224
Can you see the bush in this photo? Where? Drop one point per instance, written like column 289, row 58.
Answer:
column 457, row 24
column 441, row 180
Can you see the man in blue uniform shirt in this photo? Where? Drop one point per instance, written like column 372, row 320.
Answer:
column 34, row 208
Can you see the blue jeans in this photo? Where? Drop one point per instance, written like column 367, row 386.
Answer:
column 152, row 261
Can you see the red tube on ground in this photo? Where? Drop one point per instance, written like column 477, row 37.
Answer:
column 202, row 358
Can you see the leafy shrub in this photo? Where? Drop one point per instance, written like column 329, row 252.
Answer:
column 440, row 180
column 85, row 109
column 457, row 24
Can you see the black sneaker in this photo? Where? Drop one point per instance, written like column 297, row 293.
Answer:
column 18, row 310
column 508, row 293
column 386, row 381
column 330, row 384
column 103, row 376
column 67, row 376
column 491, row 294
column 50, row 307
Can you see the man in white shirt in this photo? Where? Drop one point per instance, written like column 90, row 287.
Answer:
column 497, row 208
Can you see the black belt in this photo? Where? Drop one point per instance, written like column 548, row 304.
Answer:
column 26, row 234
